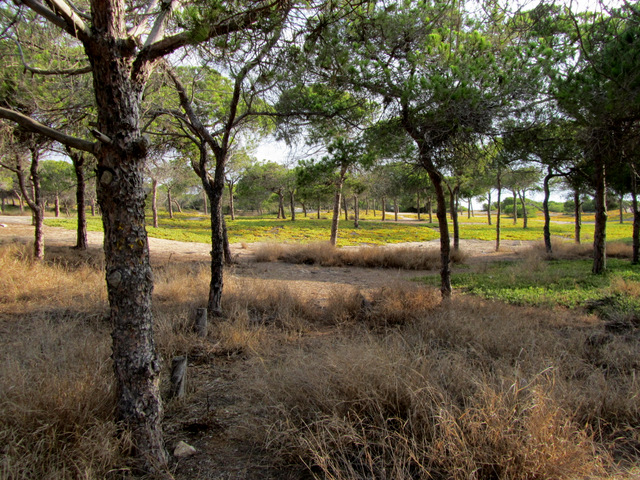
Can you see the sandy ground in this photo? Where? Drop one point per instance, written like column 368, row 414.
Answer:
column 307, row 277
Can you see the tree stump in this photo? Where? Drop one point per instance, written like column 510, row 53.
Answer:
column 178, row 377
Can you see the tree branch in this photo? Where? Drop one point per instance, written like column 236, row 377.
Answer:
column 71, row 71
column 60, row 14
column 36, row 127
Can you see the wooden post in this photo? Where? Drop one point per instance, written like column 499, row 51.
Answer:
column 201, row 322
column 178, row 376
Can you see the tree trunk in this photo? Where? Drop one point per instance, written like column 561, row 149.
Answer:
column 523, row 202
column 228, row 258
column 154, row 201
column 169, row 203
column 621, row 209
column 56, row 208
column 36, row 202
column 336, row 207
column 384, row 208
column 454, row 217
column 418, row 203
column 635, row 257
column 178, row 205
column 292, row 203
column 515, row 207
column 498, row 213
column 93, row 207
column 546, row 229
column 430, row 208
column 600, row 232
column 281, row 213
column 205, row 206
column 78, row 167
column 319, row 205
column 304, row 209
column 577, row 212
column 118, row 85
column 469, row 207
column 395, row 208
column 345, row 208
column 356, row 212
column 232, row 208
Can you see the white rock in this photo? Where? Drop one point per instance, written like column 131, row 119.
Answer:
column 183, row 450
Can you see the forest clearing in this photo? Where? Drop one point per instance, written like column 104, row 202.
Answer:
column 325, row 371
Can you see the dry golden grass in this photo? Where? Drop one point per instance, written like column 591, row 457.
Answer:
column 469, row 390
column 564, row 250
column 391, row 384
column 400, row 257
column 56, row 389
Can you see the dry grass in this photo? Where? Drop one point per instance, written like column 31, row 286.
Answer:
column 471, row 390
column 387, row 384
column 564, row 250
column 56, row 391
column 400, row 257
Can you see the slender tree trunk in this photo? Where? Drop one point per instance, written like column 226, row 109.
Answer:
column 469, row 207
column 304, row 209
column 498, row 213
column 454, row 217
column 81, row 184
column 178, row 206
column 445, row 247
column 93, row 207
column 154, row 201
column 205, row 200
column 430, row 208
column 600, row 232
column 621, row 209
column 546, row 230
column 395, row 208
column 523, row 202
column 281, row 213
column 345, row 209
column 635, row 258
column 515, row 207
column 577, row 212
column 292, row 203
column 232, row 208
column 35, row 202
column 56, row 206
column 418, row 203
column 356, row 212
column 169, row 203
column 384, row 208
column 319, row 205
column 366, row 206
column 228, row 258
column 336, row 206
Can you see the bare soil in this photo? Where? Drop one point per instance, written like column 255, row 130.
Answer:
column 306, row 278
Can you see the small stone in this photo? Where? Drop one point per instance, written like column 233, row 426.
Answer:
column 2, row 225
column 183, row 450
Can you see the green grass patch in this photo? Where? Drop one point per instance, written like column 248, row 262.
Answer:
column 567, row 283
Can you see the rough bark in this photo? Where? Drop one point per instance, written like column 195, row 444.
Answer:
column 383, row 208
column 292, row 205
column 56, row 205
column 395, row 208
column 345, row 208
column 118, row 86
